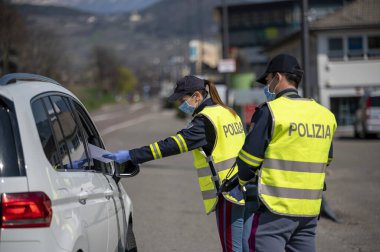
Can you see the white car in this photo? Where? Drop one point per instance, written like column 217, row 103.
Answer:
column 48, row 200
column 367, row 117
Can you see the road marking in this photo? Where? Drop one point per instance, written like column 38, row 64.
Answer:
column 132, row 122
column 105, row 117
column 136, row 107
column 108, row 116
column 126, row 124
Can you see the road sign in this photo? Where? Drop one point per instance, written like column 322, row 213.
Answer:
column 227, row 66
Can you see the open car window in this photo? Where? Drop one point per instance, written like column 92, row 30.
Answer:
column 91, row 136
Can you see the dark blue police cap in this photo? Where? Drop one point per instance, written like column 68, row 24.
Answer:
column 186, row 85
column 283, row 63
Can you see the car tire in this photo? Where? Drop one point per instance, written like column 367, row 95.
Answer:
column 356, row 132
column 131, row 241
column 365, row 133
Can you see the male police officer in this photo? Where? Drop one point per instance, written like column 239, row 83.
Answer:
column 285, row 154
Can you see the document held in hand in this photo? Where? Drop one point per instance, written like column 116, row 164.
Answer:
column 97, row 153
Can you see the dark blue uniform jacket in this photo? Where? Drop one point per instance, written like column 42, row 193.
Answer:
column 199, row 133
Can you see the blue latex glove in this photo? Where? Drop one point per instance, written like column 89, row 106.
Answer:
column 76, row 164
column 237, row 193
column 119, row 157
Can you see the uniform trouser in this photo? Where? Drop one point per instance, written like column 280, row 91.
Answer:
column 251, row 206
column 234, row 226
column 275, row 233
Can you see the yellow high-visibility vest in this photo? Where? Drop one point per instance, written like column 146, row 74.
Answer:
column 229, row 140
column 292, row 176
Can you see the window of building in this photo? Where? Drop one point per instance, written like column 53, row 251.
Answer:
column 344, row 109
column 355, row 47
column 335, row 48
column 373, row 46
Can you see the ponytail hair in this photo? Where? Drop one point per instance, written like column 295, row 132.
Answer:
column 216, row 98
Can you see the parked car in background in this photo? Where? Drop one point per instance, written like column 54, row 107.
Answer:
column 53, row 195
column 367, row 117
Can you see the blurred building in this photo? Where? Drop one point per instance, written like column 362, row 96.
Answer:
column 252, row 26
column 204, row 56
column 344, row 56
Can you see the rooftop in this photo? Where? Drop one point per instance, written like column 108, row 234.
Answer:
column 358, row 13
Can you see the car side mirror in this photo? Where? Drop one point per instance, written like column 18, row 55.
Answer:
column 127, row 169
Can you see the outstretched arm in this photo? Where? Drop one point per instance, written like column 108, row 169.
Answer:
column 190, row 138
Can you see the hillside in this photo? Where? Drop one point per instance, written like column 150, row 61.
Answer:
column 163, row 31
column 180, row 18
column 49, row 10
column 94, row 6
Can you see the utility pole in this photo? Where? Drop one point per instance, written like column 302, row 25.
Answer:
column 200, row 30
column 225, row 29
column 307, row 91
column 226, row 46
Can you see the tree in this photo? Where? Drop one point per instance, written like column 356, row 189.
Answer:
column 35, row 51
column 105, row 69
column 127, row 80
column 109, row 74
column 12, row 32
column 44, row 54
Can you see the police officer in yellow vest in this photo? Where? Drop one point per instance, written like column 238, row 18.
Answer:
column 285, row 155
column 215, row 136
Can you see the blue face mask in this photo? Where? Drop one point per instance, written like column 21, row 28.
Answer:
column 186, row 108
column 270, row 96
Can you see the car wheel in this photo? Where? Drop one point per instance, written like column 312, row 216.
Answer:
column 131, row 241
column 365, row 133
column 356, row 132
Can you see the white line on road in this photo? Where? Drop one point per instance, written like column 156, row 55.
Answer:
column 105, row 117
column 108, row 116
column 126, row 124
column 136, row 107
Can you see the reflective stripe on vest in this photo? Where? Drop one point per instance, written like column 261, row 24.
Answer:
column 292, row 175
column 225, row 165
column 229, row 140
column 294, row 166
column 291, row 193
column 209, row 194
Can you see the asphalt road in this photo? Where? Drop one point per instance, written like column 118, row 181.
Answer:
column 168, row 211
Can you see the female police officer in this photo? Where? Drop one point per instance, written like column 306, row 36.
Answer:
column 215, row 136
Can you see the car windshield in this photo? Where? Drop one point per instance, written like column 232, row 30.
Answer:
column 375, row 101
column 9, row 165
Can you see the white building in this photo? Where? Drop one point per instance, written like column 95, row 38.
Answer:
column 344, row 56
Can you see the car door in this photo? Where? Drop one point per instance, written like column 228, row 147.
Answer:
column 118, row 220
column 116, row 212
column 88, row 186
